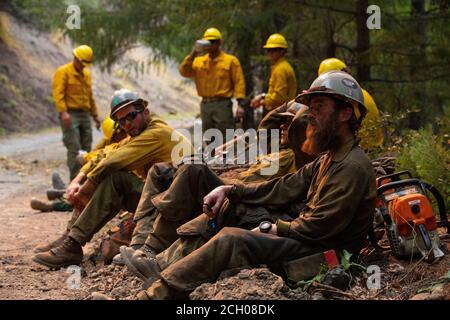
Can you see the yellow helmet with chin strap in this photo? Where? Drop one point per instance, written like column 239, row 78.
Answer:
column 84, row 54
column 212, row 34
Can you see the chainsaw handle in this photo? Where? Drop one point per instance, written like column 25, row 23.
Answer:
column 399, row 184
column 393, row 176
column 441, row 205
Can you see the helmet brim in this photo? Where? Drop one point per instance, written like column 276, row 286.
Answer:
column 274, row 46
column 305, row 97
column 211, row 38
column 145, row 102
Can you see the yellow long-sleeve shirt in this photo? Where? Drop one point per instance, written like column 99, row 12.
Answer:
column 157, row 143
column 95, row 156
column 219, row 77
column 282, row 85
column 371, row 132
column 72, row 90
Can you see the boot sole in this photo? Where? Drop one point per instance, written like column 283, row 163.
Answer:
column 54, row 266
column 126, row 259
column 41, row 251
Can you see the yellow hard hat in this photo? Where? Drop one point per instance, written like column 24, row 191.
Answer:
column 212, row 34
column 108, row 128
column 85, row 54
column 331, row 64
column 276, row 41
column 371, row 132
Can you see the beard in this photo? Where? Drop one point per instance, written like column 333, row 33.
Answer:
column 322, row 138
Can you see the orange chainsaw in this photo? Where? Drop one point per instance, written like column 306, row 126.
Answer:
column 409, row 220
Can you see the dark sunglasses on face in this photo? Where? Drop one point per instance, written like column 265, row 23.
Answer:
column 129, row 117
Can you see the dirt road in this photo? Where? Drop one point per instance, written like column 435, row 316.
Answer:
column 26, row 164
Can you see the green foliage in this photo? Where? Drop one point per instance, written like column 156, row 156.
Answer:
column 438, row 283
column 345, row 264
column 405, row 66
column 427, row 158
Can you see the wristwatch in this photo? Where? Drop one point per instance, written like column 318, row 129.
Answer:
column 263, row 95
column 265, row 226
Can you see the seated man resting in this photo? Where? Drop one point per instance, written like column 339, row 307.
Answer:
column 116, row 182
column 336, row 192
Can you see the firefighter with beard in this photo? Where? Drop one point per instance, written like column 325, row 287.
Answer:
column 331, row 201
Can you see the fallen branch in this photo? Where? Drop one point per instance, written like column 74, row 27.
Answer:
column 329, row 289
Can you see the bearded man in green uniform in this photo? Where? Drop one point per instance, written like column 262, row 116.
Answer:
column 333, row 198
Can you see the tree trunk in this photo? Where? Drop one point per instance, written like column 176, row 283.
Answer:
column 417, row 118
column 330, row 49
column 362, row 41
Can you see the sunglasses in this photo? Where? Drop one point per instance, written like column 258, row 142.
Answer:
column 129, row 117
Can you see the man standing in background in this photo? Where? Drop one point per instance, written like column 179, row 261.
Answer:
column 282, row 83
column 218, row 77
column 72, row 93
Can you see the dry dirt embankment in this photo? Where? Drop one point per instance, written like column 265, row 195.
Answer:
column 29, row 58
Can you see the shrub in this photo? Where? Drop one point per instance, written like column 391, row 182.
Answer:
column 426, row 157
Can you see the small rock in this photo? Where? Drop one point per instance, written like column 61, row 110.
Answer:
column 94, row 288
column 396, row 268
column 318, row 296
column 118, row 291
column 420, row 296
column 337, row 278
column 252, row 291
column 245, row 274
column 437, row 294
column 260, row 293
column 100, row 296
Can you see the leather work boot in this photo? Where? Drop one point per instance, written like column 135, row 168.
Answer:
column 53, row 194
column 51, row 245
column 141, row 263
column 41, row 205
column 57, row 182
column 67, row 254
column 118, row 259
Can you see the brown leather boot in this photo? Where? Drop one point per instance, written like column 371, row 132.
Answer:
column 53, row 194
column 41, row 205
column 67, row 254
column 141, row 263
column 51, row 245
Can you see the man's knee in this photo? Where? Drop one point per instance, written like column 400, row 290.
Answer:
column 230, row 234
column 191, row 169
column 122, row 181
column 119, row 176
column 161, row 175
